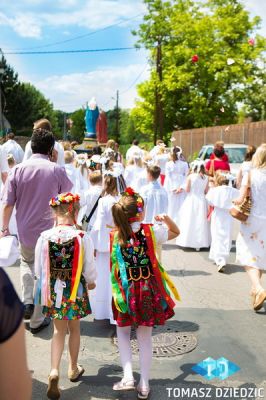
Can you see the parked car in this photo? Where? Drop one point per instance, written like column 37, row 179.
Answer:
column 236, row 154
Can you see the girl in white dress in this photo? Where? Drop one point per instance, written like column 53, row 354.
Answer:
column 161, row 158
column 246, row 165
column 194, row 226
column 175, row 176
column 251, row 241
column 101, row 297
column 135, row 173
column 221, row 197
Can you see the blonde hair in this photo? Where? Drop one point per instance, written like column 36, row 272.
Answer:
column 11, row 160
column 42, row 123
column 123, row 210
column 68, row 156
column 220, row 179
column 95, row 177
column 66, row 209
column 110, row 144
column 259, row 158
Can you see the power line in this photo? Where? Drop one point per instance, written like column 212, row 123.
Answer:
column 80, row 36
column 70, row 51
column 135, row 80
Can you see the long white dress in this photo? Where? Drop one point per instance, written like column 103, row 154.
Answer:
column 175, row 177
column 251, row 240
column 194, row 226
column 221, row 198
column 135, row 177
column 101, row 296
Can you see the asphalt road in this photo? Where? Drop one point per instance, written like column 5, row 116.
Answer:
column 215, row 311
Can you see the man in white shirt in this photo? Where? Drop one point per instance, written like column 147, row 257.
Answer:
column 154, row 195
column 134, row 150
column 3, row 165
column 12, row 147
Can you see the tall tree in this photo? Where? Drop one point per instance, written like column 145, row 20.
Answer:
column 209, row 61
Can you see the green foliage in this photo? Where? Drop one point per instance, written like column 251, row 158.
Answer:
column 206, row 92
column 24, row 104
column 78, row 128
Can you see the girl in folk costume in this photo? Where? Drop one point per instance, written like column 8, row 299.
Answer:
column 175, row 175
column 64, row 267
column 194, row 226
column 221, row 197
column 101, row 299
column 141, row 297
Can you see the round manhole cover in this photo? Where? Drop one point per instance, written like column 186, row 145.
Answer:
column 167, row 343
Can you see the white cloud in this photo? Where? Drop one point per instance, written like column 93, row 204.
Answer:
column 25, row 25
column 91, row 14
column 70, row 92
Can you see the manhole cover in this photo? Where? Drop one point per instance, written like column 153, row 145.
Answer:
column 166, row 343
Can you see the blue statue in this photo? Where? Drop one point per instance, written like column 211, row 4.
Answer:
column 91, row 117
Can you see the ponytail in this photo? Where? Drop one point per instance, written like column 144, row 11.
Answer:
column 123, row 211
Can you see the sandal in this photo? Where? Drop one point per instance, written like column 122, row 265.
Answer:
column 53, row 391
column 260, row 297
column 143, row 393
column 74, row 376
column 124, row 385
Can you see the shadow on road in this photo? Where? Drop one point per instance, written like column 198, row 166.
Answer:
column 185, row 272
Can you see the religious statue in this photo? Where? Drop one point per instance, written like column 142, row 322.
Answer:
column 101, row 127
column 91, row 117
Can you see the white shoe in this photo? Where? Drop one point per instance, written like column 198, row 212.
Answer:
column 221, row 267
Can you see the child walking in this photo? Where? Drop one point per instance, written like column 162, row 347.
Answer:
column 140, row 296
column 64, row 267
column 221, row 197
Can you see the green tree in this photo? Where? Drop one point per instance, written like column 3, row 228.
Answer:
column 78, row 128
column 204, row 90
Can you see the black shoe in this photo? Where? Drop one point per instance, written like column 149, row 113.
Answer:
column 44, row 324
column 28, row 311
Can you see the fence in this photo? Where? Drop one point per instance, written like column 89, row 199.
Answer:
column 191, row 140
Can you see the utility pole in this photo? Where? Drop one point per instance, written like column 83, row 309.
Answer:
column 117, row 116
column 159, row 114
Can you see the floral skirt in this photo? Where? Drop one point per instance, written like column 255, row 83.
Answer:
column 69, row 310
column 146, row 305
column 251, row 243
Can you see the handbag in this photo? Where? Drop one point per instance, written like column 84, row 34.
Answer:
column 86, row 219
column 241, row 211
column 9, row 250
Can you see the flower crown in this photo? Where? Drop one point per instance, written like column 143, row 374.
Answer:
column 65, row 198
column 140, row 204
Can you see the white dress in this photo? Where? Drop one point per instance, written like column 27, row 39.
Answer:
column 175, row 177
column 251, row 240
column 194, row 226
column 161, row 160
column 221, row 198
column 155, row 201
column 12, row 147
column 76, row 178
column 135, row 177
column 101, row 296
column 90, row 198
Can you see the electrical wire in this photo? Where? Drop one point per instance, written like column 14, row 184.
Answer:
column 135, row 80
column 70, row 51
column 80, row 36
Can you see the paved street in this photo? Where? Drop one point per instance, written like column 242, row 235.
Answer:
column 215, row 309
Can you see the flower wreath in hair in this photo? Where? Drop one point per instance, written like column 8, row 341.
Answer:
column 140, row 204
column 65, row 198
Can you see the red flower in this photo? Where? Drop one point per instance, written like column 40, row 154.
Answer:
column 195, row 58
column 130, row 191
column 251, row 42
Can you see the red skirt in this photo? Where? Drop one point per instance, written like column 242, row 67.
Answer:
column 146, row 304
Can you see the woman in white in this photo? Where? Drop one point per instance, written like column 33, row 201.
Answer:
column 135, row 173
column 194, row 226
column 221, row 197
column 251, row 241
column 175, row 176
column 246, row 165
column 101, row 296
column 161, row 158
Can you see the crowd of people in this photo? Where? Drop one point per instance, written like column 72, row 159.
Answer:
column 77, row 214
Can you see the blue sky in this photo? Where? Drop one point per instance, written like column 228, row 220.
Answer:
column 70, row 80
